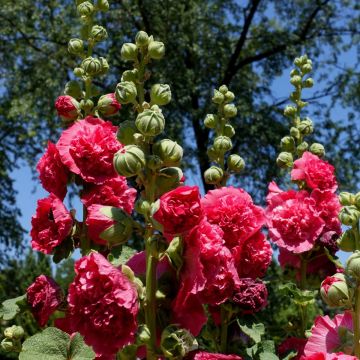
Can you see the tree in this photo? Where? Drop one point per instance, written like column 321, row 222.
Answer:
column 245, row 44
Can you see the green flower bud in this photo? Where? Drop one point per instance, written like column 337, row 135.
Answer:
column 317, row 149
column 160, row 94
column 126, row 131
column 14, row 332
column 294, row 72
column 143, row 334
column 290, row 111
column 79, row 72
column 306, row 68
column 130, row 75
column 213, row 175
column 98, row 33
column 223, row 89
column 298, row 62
column 156, row 50
column 170, row 152
column 142, row 206
column 91, row 66
column 125, row 92
column 222, row 144
column 103, row 5
column 230, row 110
column 346, row 198
column 129, row 161
column 353, row 265
column 85, row 9
column 154, row 162
column 295, row 80
column 229, row 131
column 285, row 160
column 235, row 163
column 349, row 215
column 76, row 46
column 306, row 127
column 229, row 96
column 86, row 105
column 335, row 292
column 287, row 144
column 104, row 66
column 301, row 148
column 295, row 96
column 308, row 83
column 347, row 241
column 212, row 153
column 142, row 39
column 295, row 133
column 7, row 345
column 357, row 200
column 210, row 121
column 218, row 97
column 176, row 343
column 78, row 2
column 150, row 122
column 118, row 233
column 73, row 88
column 139, row 138
column 168, row 178
column 129, row 52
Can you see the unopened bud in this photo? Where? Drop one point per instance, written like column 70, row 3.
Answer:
column 218, row 97
column 150, row 122
column 108, row 105
column 297, row 62
column 347, row 241
column 156, row 50
column 141, row 39
column 213, row 175
column 212, row 153
column 7, row 345
column 168, row 178
column 229, row 131
column 235, row 163
column 170, row 152
column 126, row 92
column 335, row 292
column 91, row 66
column 308, row 83
column 85, row 9
column 222, row 144
column 210, row 121
column 103, row 5
column 76, row 46
column 317, row 149
column 223, row 89
column 79, row 72
column 142, row 206
column 73, row 88
column 160, row 94
column 294, row 72
column 357, row 200
column 306, row 68
column 353, row 265
column 154, row 162
column 87, row 105
column 306, row 127
column 14, row 332
column 98, row 33
column 129, row 161
column 295, row 133
column 229, row 96
column 104, row 66
column 287, row 144
column 138, row 138
column 349, row 215
column 129, row 52
column 301, row 148
column 346, row 198
column 290, row 111
column 284, row 160
column 230, row 110
column 295, row 80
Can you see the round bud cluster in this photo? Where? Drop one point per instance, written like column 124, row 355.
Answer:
column 98, row 33
column 12, row 340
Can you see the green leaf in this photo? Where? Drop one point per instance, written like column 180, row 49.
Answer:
column 268, row 346
column 174, row 253
column 54, row 344
column 120, row 255
column 10, row 308
column 254, row 332
column 268, row 356
column 299, row 297
column 290, row 356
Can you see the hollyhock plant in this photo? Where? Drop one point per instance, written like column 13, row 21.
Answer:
column 113, row 192
column 179, row 210
column 202, row 355
column 51, row 224
column 43, row 296
column 317, row 173
column 53, row 173
column 87, row 149
column 234, row 211
column 108, row 105
column 293, row 223
column 67, row 107
column 103, row 305
column 330, row 335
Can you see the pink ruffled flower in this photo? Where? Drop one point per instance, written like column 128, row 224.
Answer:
column 103, row 305
column 51, row 224
column 253, row 257
column 43, row 296
column 292, row 344
column 53, row 173
column 113, row 192
column 208, row 276
column 317, row 173
column 179, row 210
column 292, row 221
column 325, row 334
column 87, row 148
column 325, row 356
column 202, row 355
column 67, row 107
column 234, row 211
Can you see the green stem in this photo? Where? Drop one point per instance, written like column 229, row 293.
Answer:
column 303, row 285
column 224, row 329
column 356, row 322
